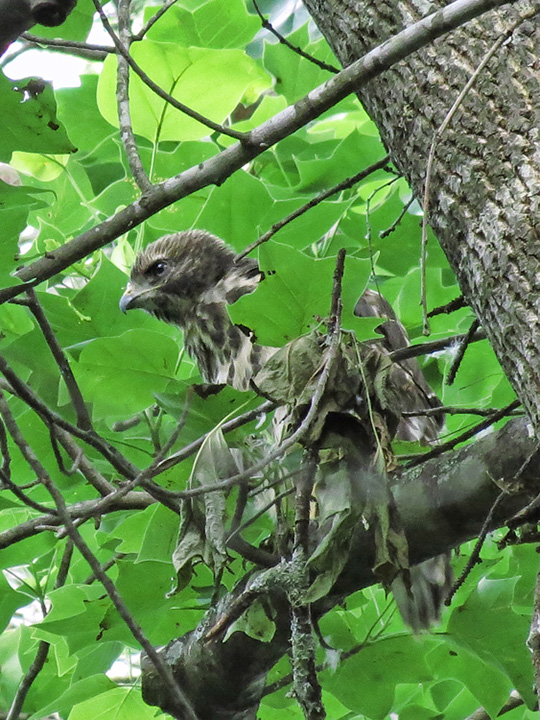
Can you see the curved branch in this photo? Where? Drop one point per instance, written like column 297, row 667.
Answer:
column 217, row 169
column 226, row 678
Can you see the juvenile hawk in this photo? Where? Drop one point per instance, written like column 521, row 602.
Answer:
column 190, row 277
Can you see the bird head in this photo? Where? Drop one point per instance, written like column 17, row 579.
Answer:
column 177, row 274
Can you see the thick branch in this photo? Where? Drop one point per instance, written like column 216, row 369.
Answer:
column 442, row 504
column 220, row 167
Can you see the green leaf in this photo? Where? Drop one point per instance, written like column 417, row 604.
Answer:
column 10, row 600
column 14, row 197
column 365, row 682
column 76, row 616
column 197, row 26
column 234, row 210
column 486, row 625
column 296, row 294
column 121, row 703
column 120, row 375
column 254, row 623
column 490, row 686
column 211, row 82
column 90, row 687
column 93, row 132
column 28, row 121
column 296, row 76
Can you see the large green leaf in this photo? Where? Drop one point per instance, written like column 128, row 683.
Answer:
column 487, row 626
column 296, row 295
column 120, row 375
column 212, row 24
column 365, row 682
column 28, row 121
column 210, row 81
column 121, row 703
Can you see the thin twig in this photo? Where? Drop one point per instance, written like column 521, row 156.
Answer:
column 158, row 90
column 474, row 558
column 460, row 353
column 80, row 511
column 389, row 230
column 77, row 400
column 343, row 185
column 267, row 26
column 450, row 307
column 235, row 531
column 82, row 464
column 439, row 132
column 529, row 512
column 471, row 432
column 193, row 447
column 162, row 10
column 4, row 452
column 433, row 346
column 451, row 410
column 8, row 483
column 90, row 51
column 122, row 97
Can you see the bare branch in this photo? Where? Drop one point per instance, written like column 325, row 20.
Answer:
column 427, row 348
column 452, row 306
column 122, row 97
column 451, row 410
column 460, row 354
column 343, row 185
column 78, row 511
column 89, row 51
column 268, row 26
column 83, row 417
column 306, row 687
column 162, row 10
column 471, row 432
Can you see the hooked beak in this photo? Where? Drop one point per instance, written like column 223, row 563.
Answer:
column 129, row 299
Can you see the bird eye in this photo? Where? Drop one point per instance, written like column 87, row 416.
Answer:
column 158, row 269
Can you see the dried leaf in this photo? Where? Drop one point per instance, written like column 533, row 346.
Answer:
column 202, row 527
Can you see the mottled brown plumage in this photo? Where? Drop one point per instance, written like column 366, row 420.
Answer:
column 189, row 278
column 413, row 392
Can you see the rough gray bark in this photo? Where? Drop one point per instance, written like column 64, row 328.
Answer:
column 442, row 504
column 485, row 183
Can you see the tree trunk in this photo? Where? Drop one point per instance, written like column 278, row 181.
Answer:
column 485, row 183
